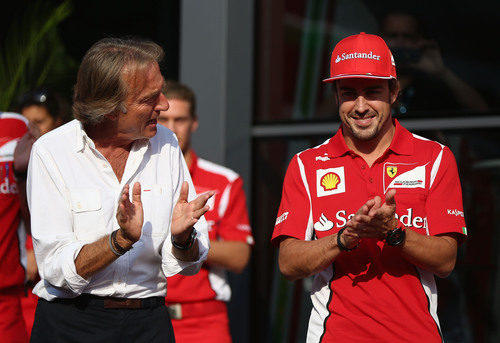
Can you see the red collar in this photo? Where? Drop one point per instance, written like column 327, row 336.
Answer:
column 194, row 163
column 401, row 144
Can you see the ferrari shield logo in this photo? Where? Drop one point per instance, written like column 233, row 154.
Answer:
column 392, row 171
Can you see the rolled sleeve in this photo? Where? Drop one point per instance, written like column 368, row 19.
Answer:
column 54, row 242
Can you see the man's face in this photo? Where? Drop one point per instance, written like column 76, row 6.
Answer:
column 179, row 119
column 144, row 103
column 365, row 107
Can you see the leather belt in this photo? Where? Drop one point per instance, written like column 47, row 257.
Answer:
column 195, row 309
column 112, row 302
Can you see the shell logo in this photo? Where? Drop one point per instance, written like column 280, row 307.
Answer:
column 329, row 181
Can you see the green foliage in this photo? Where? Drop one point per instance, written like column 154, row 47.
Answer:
column 32, row 53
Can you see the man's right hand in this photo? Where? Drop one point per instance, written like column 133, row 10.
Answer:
column 130, row 216
column 374, row 219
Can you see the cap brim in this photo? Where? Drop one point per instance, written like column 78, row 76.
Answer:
column 359, row 76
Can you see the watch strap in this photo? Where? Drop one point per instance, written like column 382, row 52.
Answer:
column 341, row 245
column 187, row 244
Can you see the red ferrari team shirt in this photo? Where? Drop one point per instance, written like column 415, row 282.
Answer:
column 372, row 294
column 227, row 220
column 12, row 128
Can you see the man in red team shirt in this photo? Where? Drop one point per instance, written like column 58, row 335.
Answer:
column 373, row 213
column 198, row 303
column 12, row 329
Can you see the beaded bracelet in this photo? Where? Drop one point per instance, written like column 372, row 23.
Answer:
column 115, row 247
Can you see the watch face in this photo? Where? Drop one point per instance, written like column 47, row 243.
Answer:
column 395, row 237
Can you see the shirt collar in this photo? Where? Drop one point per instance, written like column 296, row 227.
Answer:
column 401, row 142
column 82, row 139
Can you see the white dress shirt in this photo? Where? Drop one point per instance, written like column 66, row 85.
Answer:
column 73, row 197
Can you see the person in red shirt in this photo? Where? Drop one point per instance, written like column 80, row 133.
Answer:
column 12, row 235
column 45, row 110
column 198, row 303
column 374, row 213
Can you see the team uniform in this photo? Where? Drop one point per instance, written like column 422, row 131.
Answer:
column 12, row 272
column 372, row 294
column 198, row 303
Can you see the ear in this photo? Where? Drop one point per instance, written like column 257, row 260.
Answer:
column 336, row 93
column 394, row 92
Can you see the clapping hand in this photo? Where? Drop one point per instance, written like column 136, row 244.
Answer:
column 130, row 214
column 374, row 219
column 186, row 214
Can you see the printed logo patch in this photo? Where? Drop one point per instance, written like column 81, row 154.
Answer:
column 363, row 55
column 455, row 212
column 392, row 171
column 323, row 224
column 403, row 175
column 281, row 218
column 330, row 181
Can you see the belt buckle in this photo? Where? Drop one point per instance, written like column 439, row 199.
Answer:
column 175, row 311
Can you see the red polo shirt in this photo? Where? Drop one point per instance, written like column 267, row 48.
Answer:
column 372, row 294
column 12, row 128
column 227, row 220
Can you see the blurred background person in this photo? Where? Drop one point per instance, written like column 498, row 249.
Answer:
column 12, row 235
column 198, row 303
column 426, row 82
column 45, row 110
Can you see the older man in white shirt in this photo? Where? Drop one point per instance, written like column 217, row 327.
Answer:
column 112, row 205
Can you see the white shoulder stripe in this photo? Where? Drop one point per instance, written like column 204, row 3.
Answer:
column 12, row 115
column 309, row 230
column 426, row 139
column 437, row 162
column 435, row 167
column 217, row 169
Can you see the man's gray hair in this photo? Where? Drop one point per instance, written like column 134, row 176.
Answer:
column 100, row 88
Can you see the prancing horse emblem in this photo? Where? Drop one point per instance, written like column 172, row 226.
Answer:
column 392, row 171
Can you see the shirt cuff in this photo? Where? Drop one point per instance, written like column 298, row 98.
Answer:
column 171, row 265
column 74, row 281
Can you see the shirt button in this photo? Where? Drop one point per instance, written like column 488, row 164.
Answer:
column 371, row 180
column 363, row 167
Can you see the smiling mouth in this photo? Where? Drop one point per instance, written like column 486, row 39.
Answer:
column 364, row 120
column 152, row 122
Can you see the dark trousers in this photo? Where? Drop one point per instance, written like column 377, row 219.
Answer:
column 85, row 319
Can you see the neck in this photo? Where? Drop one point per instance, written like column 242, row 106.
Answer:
column 370, row 150
column 105, row 137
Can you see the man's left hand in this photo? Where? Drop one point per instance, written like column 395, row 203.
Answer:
column 186, row 214
column 379, row 220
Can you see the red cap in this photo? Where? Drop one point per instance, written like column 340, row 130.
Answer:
column 362, row 56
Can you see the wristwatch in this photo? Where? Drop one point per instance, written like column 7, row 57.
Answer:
column 187, row 244
column 397, row 236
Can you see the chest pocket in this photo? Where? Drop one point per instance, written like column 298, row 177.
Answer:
column 88, row 221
